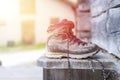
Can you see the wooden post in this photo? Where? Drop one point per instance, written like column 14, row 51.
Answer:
column 80, row 69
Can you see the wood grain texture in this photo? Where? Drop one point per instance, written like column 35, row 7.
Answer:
column 57, row 69
column 77, row 74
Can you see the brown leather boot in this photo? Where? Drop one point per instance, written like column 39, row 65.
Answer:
column 62, row 43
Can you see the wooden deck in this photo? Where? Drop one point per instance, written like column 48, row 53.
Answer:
column 21, row 73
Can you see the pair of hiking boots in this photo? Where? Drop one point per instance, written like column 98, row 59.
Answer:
column 61, row 42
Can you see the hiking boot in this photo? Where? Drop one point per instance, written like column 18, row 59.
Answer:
column 62, row 43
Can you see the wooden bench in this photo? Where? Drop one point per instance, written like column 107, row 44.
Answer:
column 80, row 69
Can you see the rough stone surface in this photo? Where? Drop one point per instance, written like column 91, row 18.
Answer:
column 106, row 24
column 113, row 28
column 113, row 20
column 99, row 33
column 100, row 6
column 115, row 3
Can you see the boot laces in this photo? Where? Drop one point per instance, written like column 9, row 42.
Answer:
column 74, row 39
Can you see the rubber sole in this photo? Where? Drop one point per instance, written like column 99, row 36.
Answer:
column 60, row 55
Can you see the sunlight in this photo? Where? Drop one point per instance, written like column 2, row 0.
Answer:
column 74, row 1
column 8, row 9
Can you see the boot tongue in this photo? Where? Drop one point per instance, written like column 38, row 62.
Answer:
column 67, row 23
column 64, row 22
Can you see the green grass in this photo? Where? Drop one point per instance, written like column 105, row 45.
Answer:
column 21, row 47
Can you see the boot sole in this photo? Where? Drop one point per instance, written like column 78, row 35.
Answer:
column 61, row 55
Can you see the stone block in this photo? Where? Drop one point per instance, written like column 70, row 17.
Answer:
column 115, row 3
column 100, row 6
column 99, row 32
column 106, row 24
column 113, row 24
column 113, row 29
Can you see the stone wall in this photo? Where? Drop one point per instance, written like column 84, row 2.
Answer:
column 106, row 24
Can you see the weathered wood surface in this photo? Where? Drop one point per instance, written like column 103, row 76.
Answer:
column 80, row 69
column 76, row 63
column 106, row 24
column 78, row 74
